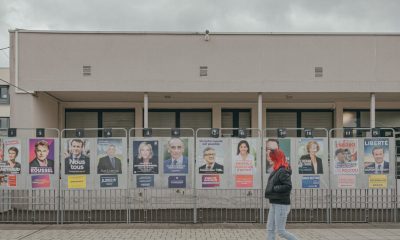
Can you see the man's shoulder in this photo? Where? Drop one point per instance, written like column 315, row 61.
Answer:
column 218, row 165
column 33, row 162
column 386, row 164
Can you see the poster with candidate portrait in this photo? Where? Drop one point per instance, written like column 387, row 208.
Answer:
column 76, row 156
column 41, row 156
column 210, row 156
column 175, row 156
column 145, row 157
column 310, row 156
column 274, row 143
column 345, row 155
column 376, row 156
column 12, row 157
column 244, row 166
column 109, row 156
column 244, row 157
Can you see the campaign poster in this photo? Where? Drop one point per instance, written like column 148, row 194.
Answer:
column 12, row 157
column 1, row 150
column 347, row 181
column 40, row 181
column 377, row 181
column 145, row 157
column 3, row 180
column 176, row 181
column 345, row 156
column 110, row 156
column 8, row 180
column 310, row 181
column 376, row 156
column 108, row 181
column 210, row 181
column 77, row 156
column 145, row 181
column 176, row 156
column 77, row 182
column 244, row 181
column 210, row 158
column 310, row 154
column 41, row 156
column 274, row 143
column 244, row 157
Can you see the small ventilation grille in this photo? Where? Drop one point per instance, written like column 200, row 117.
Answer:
column 87, row 70
column 318, row 71
column 203, row 71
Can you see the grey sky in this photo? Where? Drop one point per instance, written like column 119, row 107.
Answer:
column 194, row 16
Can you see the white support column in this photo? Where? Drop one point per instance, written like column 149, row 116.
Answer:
column 146, row 111
column 372, row 111
column 260, row 111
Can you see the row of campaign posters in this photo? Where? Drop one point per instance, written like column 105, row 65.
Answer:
column 230, row 163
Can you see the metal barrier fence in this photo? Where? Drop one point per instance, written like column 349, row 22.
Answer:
column 196, row 203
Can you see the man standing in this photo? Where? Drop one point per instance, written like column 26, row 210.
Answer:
column 109, row 164
column 210, row 165
column 177, row 163
column 380, row 166
column 77, row 162
column 40, row 164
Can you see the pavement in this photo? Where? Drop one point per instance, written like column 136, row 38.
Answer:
column 220, row 231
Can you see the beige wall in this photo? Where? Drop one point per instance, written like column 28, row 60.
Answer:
column 280, row 66
column 34, row 111
column 236, row 62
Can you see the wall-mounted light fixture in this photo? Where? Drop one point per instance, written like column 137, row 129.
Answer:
column 207, row 36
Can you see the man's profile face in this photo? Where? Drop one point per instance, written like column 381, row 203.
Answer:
column 209, row 156
column 42, row 152
column 76, row 148
column 111, row 151
column 378, row 155
column 176, row 148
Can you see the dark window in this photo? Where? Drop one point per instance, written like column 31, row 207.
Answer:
column 300, row 118
column 235, row 118
column 180, row 118
column 99, row 118
column 4, row 96
column 4, row 122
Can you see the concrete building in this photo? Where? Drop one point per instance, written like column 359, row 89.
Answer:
column 4, row 98
column 99, row 79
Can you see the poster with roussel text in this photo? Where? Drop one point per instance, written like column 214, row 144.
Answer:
column 41, row 156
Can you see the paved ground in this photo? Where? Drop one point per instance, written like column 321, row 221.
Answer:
column 196, row 231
